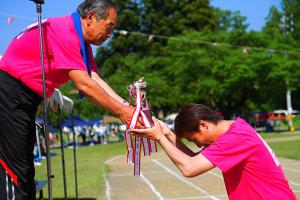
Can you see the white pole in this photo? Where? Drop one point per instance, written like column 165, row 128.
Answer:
column 289, row 108
column 38, row 141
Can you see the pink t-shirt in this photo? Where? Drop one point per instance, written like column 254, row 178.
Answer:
column 61, row 54
column 250, row 168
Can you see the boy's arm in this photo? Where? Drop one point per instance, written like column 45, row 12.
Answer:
column 190, row 166
column 179, row 144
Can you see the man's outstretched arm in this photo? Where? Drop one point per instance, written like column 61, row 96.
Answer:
column 94, row 91
column 107, row 88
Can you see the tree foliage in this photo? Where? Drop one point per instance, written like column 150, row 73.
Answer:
column 206, row 56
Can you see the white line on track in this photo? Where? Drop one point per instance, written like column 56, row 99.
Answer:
column 289, row 169
column 130, row 174
column 291, row 164
column 184, row 180
column 215, row 174
column 107, row 187
column 112, row 159
column 294, row 183
column 195, row 197
column 151, row 187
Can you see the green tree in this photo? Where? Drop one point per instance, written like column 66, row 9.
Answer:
column 230, row 20
column 291, row 9
column 205, row 55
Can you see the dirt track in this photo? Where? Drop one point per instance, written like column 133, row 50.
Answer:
column 161, row 180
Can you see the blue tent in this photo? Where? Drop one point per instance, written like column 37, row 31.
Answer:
column 94, row 121
column 78, row 121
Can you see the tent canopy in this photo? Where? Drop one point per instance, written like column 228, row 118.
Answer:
column 78, row 121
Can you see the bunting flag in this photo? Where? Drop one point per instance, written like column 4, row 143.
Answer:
column 245, row 50
column 10, row 20
column 138, row 94
column 151, row 39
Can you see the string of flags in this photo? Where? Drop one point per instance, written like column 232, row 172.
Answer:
column 245, row 50
column 152, row 38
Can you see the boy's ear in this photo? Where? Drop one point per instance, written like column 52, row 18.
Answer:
column 202, row 125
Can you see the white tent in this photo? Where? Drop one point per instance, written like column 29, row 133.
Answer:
column 170, row 120
column 171, row 116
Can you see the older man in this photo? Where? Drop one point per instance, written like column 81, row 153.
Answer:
column 68, row 56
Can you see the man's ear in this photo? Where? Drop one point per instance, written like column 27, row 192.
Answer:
column 202, row 125
column 90, row 17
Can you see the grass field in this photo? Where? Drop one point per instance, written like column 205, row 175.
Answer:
column 288, row 149
column 278, row 134
column 91, row 166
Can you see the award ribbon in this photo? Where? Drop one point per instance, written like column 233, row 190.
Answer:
column 138, row 93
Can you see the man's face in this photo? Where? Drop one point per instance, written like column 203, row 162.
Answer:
column 99, row 31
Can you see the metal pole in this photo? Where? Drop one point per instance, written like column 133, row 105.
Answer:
column 46, row 130
column 74, row 154
column 62, row 152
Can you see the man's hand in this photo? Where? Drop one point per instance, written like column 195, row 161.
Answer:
column 154, row 133
column 126, row 116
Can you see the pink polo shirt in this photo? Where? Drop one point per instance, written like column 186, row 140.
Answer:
column 61, row 54
column 250, row 168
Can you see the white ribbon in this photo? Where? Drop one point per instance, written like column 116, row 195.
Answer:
column 130, row 150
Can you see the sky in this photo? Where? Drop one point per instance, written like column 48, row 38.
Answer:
column 24, row 12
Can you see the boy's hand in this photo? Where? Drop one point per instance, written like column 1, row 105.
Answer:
column 154, row 133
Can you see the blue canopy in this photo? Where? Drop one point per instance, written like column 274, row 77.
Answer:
column 78, row 121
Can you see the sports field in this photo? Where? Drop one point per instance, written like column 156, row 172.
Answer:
column 160, row 179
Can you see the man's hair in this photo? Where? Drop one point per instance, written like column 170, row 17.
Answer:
column 99, row 7
column 189, row 116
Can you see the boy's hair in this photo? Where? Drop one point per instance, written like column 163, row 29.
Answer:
column 189, row 116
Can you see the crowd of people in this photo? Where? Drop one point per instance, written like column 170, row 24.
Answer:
column 98, row 133
column 84, row 136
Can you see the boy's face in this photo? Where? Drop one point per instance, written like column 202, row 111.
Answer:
column 201, row 137
column 197, row 137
